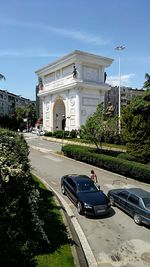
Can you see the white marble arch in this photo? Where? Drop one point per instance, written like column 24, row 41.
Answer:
column 73, row 97
column 59, row 114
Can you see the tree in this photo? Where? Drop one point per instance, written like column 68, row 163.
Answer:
column 2, row 77
column 28, row 112
column 9, row 122
column 136, row 127
column 98, row 126
column 21, row 228
column 147, row 82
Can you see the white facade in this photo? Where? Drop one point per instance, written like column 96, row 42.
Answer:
column 72, row 98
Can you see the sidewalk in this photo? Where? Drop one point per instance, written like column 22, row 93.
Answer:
column 64, row 141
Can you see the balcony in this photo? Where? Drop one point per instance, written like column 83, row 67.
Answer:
column 70, row 82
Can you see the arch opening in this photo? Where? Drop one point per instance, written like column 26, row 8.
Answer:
column 59, row 114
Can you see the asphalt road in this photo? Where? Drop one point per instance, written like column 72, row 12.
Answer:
column 115, row 240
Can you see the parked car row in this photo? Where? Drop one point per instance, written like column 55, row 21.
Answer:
column 90, row 200
column 37, row 131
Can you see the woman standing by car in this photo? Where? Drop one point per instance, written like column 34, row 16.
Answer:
column 93, row 176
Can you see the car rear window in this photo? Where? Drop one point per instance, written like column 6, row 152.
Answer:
column 146, row 202
column 87, row 186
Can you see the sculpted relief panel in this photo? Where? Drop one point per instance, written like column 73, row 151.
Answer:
column 67, row 70
column 72, row 101
column 90, row 74
column 49, row 78
column 86, row 101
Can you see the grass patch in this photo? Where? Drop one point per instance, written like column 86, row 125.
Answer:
column 78, row 140
column 83, row 141
column 58, row 253
column 61, row 258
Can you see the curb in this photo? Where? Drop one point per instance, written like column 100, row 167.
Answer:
column 89, row 256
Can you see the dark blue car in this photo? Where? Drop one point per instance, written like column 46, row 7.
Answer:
column 85, row 194
column 134, row 201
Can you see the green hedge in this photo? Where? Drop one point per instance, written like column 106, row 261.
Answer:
column 48, row 134
column 124, row 167
column 22, row 232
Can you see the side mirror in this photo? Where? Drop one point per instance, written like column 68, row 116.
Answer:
column 99, row 187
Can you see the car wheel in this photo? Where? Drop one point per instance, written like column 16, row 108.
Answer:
column 137, row 219
column 63, row 190
column 112, row 201
column 79, row 208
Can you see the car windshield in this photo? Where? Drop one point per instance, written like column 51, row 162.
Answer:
column 146, row 201
column 87, row 186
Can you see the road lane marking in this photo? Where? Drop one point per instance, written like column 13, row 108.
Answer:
column 44, row 150
column 54, row 183
column 31, row 137
column 52, row 158
column 42, row 144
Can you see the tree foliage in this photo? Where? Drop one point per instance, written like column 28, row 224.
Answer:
column 147, row 82
column 20, row 226
column 28, row 112
column 136, row 127
column 9, row 122
column 2, row 77
column 98, row 126
column 15, row 120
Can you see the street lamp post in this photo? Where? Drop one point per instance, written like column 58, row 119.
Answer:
column 119, row 49
column 63, row 130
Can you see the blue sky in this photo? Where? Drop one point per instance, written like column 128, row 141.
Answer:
column 34, row 33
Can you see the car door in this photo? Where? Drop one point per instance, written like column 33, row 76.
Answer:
column 71, row 189
column 132, row 206
column 73, row 192
column 122, row 199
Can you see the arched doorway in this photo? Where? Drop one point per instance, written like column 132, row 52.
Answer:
column 59, row 114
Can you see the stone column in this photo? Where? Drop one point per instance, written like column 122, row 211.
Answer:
column 78, row 108
column 51, row 114
column 67, row 112
column 43, row 108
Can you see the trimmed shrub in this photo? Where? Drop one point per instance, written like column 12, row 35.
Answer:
column 127, row 168
column 58, row 134
column 66, row 134
column 48, row 134
column 73, row 133
column 125, row 156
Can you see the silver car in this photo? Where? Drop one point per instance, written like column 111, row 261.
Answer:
column 134, row 201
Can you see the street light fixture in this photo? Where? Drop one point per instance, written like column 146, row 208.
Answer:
column 119, row 49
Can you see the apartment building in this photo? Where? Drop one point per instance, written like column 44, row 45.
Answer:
column 9, row 102
column 126, row 94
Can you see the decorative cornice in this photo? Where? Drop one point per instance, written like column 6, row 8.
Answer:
column 74, row 57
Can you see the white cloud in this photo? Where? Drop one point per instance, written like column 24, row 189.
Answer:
column 125, row 80
column 73, row 34
column 81, row 36
column 27, row 53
